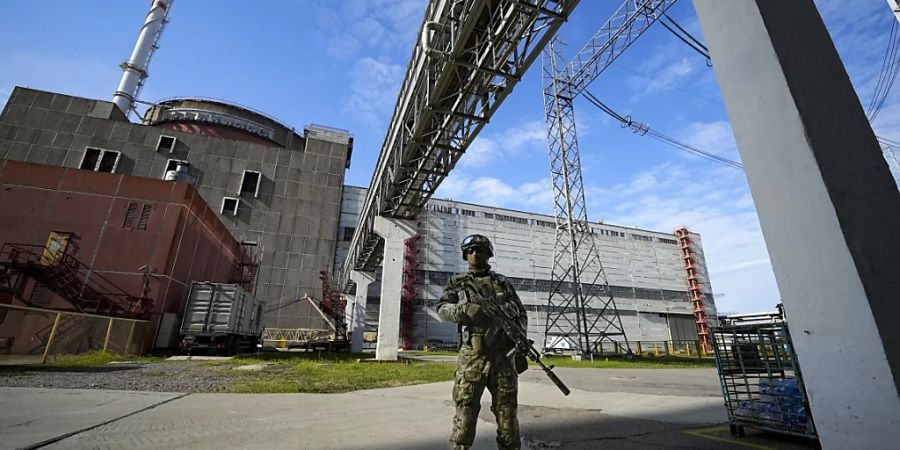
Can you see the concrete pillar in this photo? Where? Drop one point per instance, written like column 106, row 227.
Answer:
column 356, row 309
column 829, row 209
column 394, row 232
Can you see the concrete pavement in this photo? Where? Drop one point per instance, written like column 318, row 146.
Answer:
column 607, row 408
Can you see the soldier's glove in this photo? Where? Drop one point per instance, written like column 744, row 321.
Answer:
column 471, row 314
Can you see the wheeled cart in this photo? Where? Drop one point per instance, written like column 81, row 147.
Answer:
column 761, row 380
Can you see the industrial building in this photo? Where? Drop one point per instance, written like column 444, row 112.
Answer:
column 104, row 245
column 280, row 194
column 646, row 270
column 281, row 197
column 276, row 191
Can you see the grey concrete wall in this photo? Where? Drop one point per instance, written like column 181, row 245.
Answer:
column 644, row 268
column 294, row 218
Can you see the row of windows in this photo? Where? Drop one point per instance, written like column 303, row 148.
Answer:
column 541, row 285
column 540, row 223
column 513, row 219
column 100, row 160
column 432, row 303
column 606, row 232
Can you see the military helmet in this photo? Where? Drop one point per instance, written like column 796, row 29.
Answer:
column 476, row 240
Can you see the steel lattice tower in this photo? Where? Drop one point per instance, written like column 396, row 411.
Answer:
column 580, row 309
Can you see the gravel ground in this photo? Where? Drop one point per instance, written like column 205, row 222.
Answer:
column 182, row 376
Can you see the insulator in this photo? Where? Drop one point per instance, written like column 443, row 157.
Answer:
column 639, row 128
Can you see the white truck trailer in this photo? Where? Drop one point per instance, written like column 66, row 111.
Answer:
column 223, row 318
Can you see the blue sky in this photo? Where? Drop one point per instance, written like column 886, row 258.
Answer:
column 340, row 63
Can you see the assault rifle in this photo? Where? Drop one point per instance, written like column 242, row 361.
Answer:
column 508, row 318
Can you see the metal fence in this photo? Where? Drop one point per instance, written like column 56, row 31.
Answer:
column 35, row 331
column 685, row 348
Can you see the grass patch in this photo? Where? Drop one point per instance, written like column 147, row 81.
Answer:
column 430, row 353
column 289, row 358
column 95, row 359
column 336, row 376
column 611, row 362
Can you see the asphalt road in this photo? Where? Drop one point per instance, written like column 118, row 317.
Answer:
column 608, row 408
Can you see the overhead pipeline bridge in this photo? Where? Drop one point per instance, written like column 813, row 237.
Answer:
column 468, row 57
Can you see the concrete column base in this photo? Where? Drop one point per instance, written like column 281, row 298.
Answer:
column 356, row 308
column 394, row 232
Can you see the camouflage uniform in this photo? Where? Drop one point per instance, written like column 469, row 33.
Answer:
column 483, row 360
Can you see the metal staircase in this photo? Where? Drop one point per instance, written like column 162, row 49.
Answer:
column 64, row 276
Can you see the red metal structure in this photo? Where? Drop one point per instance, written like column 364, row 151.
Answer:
column 64, row 276
column 695, row 294
column 334, row 305
column 408, row 292
column 245, row 269
column 106, row 244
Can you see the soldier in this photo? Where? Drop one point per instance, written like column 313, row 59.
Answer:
column 484, row 347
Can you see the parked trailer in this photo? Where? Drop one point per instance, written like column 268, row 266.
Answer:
column 221, row 317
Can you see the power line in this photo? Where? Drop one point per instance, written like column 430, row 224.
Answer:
column 619, row 65
column 890, row 65
column 643, row 129
column 686, row 37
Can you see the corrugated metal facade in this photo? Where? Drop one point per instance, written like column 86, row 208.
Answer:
column 644, row 268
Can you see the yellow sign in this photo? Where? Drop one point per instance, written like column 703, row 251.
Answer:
column 55, row 248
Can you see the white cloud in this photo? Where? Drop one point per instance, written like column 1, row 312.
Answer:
column 373, row 91
column 665, row 69
column 351, row 27
column 713, row 202
column 536, row 196
column 712, row 137
column 499, row 146
column 670, row 75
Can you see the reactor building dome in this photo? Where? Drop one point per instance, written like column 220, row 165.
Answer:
column 217, row 118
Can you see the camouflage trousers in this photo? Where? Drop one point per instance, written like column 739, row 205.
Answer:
column 474, row 372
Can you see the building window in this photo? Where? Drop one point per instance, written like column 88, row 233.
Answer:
column 171, row 165
column 504, row 218
column 441, row 208
column 145, row 217
column 467, row 212
column 129, row 215
column 668, row 241
column 229, row 206
column 488, row 215
column 99, row 160
column 641, row 237
column 250, row 183
column 166, row 144
column 348, row 233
